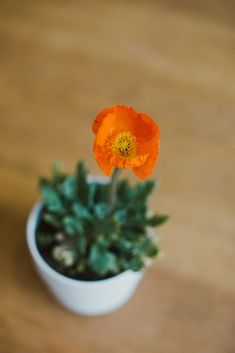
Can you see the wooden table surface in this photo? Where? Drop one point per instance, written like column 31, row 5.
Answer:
column 60, row 63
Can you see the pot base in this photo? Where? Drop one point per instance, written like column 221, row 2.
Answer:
column 90, row 298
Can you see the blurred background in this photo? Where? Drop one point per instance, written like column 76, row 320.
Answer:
column 61, row 62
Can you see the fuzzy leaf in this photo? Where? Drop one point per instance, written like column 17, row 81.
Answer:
column 51, row 198
column 81, row 243
column 121, row 215
column 101, row 260
column 102, row 192
column 81, row 212
column 91, row 195
column 157, row 220
column 106, row 227
column 123, row 191
column 136, row 263
column 104, row 240
column 146, row 248
column 101, row 210
column 52, row 219
column 124, row 245
column 69, row 188
column 72, row 225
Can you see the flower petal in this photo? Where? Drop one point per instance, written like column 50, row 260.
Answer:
column 117, row 118
column 98, row 120
column 101, row 158
column 146, row 168
column 125, row 163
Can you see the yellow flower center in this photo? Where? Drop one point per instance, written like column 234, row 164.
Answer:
column 124, row 144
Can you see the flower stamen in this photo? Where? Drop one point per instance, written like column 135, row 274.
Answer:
column 123, row 144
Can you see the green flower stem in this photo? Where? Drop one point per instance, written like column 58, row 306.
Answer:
column 113, row 188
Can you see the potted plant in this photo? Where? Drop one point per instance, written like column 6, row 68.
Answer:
column 90, row 237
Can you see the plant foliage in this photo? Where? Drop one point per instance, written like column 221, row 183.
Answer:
column 79, row 234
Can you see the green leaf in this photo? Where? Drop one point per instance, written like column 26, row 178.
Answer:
column 81, row 243
column 51, row 198
column 107, row 228
column 52, row 220
column 102, row 192
column 131, row 235
column 124, row 245
column 104, row 240
column 136, row 263
column 101, row 260
column 121, row 215
column 91, row 194
column 72, row 225
column 81, row 212
column 101, row 210
column 123, row 191
column 123, row 262
column 69, row 188
column 146, row 247
column 157, row 220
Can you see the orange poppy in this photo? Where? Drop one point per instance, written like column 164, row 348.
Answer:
column 126, row 139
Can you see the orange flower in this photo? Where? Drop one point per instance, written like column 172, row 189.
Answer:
column 126, row 139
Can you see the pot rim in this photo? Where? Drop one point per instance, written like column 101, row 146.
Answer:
column 45, row 267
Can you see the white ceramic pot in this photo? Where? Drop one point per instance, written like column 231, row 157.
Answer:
column 82, row 297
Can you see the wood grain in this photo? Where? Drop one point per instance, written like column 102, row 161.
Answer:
column 60, row 63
